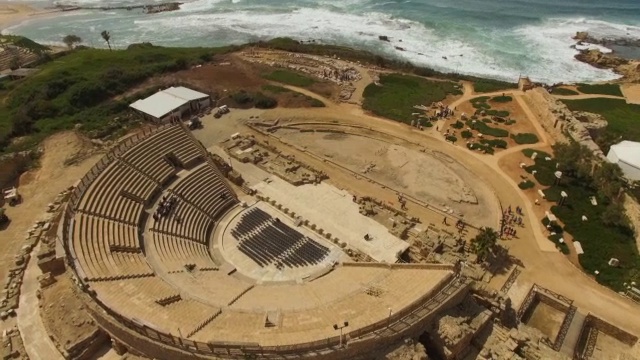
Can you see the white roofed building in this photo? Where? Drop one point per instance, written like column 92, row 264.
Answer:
column 171, row 104
column 627, row 155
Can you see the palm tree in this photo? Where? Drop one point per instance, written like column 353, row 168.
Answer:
column 106, row 36
column 484, row 243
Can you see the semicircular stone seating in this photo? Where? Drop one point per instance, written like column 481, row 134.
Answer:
column 106, row 233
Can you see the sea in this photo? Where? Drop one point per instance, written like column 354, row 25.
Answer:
column 501, row 39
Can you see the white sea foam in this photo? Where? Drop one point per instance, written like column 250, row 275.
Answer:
column 548, row 55
column 542, row 51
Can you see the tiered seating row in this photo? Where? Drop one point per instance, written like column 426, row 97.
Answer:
column 182, row 145
column 139, row 296
column 213, row 199
column 148, row 156
column 122, row 235
column 185, row 221
column 174, row 252
column 91, row 237
column 104, row 197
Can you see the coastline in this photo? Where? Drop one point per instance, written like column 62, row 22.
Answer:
column 14, row 13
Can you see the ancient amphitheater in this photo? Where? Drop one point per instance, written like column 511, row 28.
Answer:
column 175, row 264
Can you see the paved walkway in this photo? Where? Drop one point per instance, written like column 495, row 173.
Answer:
column 34, row 335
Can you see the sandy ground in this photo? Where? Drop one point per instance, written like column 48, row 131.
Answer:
column 39, row 187
column 631, row 92
column 12, row 13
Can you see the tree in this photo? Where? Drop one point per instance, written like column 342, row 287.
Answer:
column 69, row 40
column 614, row 215
column 484, row 243
column 106, row 36
column 574, row 159
column 607, row 179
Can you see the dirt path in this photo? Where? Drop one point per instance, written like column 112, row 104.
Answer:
column 311, row 94
column 587, row 96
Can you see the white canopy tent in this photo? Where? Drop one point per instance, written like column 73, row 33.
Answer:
column 627, row 155
column 171, row 103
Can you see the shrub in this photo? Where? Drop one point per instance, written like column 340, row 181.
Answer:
column 484, row 148
column 315, row 102
column 451, row 138
column 527, row 184
column 525, row 138
column 458, row 125
column 541, row 154
column 486, row 129
column 242, row 97
column 500, row 113
column 264, row 102
column 502, row 99
column 466, row 134
column 496, row 143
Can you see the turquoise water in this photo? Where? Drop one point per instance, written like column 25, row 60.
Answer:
column 494, row 38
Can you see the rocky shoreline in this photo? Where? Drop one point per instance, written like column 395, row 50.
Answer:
column 629, row 69
column 147, row 9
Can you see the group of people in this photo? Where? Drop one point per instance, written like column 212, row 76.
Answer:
column 165, row 207
column 510, row 218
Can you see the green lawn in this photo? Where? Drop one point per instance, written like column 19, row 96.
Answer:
column 623, row 118
column 487, row 85
column 290, row 78
column 564, row 91
column 603, row 89
column 599, row 241
column 397, row 94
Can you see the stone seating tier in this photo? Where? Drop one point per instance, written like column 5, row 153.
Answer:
column 213, row 199
column 174, row 253
column 105, row 198
column 92, row 236
column 192, row 224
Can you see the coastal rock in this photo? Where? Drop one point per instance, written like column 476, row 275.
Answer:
column 630, row 70
column 581, row 36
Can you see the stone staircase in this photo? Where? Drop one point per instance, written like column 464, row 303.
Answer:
column 571, row 339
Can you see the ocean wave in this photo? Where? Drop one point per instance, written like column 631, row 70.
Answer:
column 548, row 46
column 541, row 51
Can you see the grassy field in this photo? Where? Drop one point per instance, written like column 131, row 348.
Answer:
column 603, row 89
column 290, row 78
column 274, row 89
column 623, row 118
column 78, row 88
column 397, row 94
column 487, row 85
column 599, row 241
column 564, row 92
